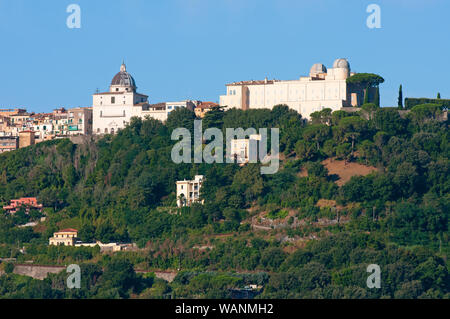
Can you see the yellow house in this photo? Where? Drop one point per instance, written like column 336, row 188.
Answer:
column 66, row 237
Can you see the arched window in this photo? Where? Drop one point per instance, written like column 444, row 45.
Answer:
column 106, row 130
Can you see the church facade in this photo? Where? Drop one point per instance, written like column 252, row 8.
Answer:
column 113, row 110
column 323, row 88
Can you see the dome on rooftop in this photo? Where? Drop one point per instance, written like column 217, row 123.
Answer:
column 341, row 64
column 123, row 78
column 318, row 68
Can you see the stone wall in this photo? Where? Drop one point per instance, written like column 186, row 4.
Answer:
column 37, row 272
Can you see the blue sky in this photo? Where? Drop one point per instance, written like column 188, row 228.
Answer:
column 179, row 49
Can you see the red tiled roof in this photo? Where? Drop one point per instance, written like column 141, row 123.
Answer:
column 116, row 93
column 207, row 105
column 71, row 230
column 259, row 82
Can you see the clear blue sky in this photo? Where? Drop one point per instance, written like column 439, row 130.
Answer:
column 179, row 49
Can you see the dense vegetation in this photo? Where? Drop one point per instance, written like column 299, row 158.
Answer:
column 122, row 188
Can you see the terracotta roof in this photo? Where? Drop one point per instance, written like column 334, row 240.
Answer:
column 207, row 105
column 68, row 230
column 259, row 82
column 115, row 93
column 158, row 105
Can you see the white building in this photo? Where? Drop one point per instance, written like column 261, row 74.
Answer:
column 171, row 106
column 188, row 192
column 321, row 89
column 240, row 148
column 113, row 110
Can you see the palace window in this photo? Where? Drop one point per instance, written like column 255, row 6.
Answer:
column 113, row 100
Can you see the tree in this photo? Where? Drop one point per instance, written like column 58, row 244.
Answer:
column 213, row 118
column 9, row 268
column 368, row 110
column 181, row 118
column 400, row 97
column 87, row 233
column 365, row 81
column 376, row 99
column 439, row 96
column 389, row 121
column 351, row 128
column 305, row 150
column 119, row 274
column 366, row 96
column 321, row 117
column 317, row 169
column 317, row 133
column 422, row 113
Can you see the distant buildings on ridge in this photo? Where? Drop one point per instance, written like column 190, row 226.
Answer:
column 111, row 111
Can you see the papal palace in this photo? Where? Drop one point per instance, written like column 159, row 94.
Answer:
column 323, row 88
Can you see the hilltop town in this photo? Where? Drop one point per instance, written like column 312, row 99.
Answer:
column 357, row 184
column 112, row 110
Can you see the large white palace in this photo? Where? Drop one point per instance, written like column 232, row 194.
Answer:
column 113, row 110
column 321, row 89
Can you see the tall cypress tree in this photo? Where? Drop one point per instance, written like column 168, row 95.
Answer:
column 400, row 97
column 377, row 97
column 366, row 96
column 439, row 96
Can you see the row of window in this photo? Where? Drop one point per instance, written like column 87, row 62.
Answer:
column 173, row 107
column 106, row 131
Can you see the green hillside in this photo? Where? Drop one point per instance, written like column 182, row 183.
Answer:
column 295, row 233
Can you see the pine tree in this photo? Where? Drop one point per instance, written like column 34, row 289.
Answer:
column 400, row 97
column 377, row 97
column 439, row 96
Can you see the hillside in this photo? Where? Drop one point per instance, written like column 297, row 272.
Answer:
column 386, row 193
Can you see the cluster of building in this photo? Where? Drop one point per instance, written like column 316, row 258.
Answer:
column 26, row 203
column 19, row 129
column 69, row 237
column 111, row 111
